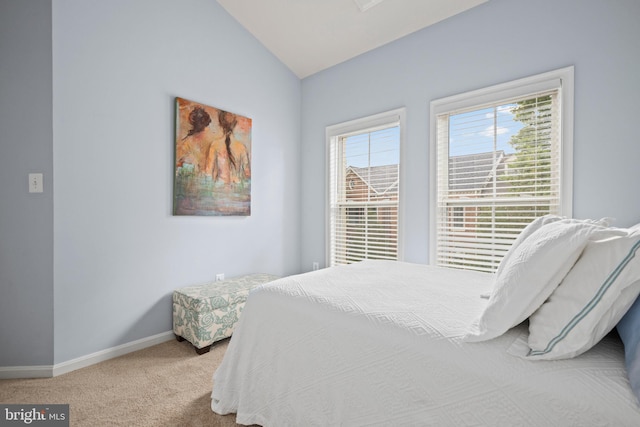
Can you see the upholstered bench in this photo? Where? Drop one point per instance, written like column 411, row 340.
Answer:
column 204, row 314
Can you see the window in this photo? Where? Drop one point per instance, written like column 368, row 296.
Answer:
column 364, row 184
column 458, row 217
column 500, row 157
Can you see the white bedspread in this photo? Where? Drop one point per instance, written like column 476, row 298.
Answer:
column 379, row 343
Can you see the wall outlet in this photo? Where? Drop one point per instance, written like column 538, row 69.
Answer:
column 316, row 265
column 219, row 277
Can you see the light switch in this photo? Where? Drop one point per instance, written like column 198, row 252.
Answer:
column 35, row 183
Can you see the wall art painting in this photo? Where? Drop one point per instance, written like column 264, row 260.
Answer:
column 213, row 161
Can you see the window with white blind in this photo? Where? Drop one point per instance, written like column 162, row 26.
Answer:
column 501, row 157
column 364, row 184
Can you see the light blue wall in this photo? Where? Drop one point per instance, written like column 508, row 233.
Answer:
column 119, row 252
column 499, row 41
column 26, row 219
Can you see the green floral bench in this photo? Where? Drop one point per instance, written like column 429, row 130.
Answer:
column 204, row 314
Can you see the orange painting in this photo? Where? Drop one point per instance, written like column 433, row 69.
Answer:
column 213, row 161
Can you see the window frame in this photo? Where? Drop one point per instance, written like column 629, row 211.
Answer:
column 563, row 77
column 354, row 127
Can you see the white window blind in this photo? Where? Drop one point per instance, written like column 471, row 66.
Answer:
column 499, row 165
column 364, row 193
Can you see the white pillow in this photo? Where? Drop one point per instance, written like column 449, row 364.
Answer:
column 591, row 299
column 535, row 225
column 535, row 269
column 526, row 232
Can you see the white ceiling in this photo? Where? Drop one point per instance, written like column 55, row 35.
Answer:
column 311, row 35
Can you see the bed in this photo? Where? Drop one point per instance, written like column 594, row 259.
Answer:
column 389, row 343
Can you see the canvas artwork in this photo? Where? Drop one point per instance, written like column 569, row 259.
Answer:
column 213, row 161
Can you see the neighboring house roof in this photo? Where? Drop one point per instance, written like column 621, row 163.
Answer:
column 472, row 172
column 469, row 173
column 379, row 179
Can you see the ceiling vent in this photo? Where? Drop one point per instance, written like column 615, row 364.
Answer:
column 366, row 4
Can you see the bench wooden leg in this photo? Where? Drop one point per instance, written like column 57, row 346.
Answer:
column 203, row 350
column 179, row 338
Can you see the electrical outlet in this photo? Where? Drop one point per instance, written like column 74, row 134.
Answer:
column 316, row 265
column 219, row 277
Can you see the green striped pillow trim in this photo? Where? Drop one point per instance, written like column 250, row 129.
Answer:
column 591, row 304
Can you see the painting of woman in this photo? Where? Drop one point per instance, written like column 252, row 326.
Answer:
column 212, row 160
column 228, row 158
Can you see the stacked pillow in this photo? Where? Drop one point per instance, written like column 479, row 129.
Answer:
column 531, row 270
column 591, row 299
column 574, row 280
column 528, row 231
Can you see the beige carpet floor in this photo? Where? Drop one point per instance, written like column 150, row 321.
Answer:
column 164, row 385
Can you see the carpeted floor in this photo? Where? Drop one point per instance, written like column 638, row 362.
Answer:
column 164, row 385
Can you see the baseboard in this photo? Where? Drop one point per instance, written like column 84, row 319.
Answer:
column 110, row 353
column 12, row 372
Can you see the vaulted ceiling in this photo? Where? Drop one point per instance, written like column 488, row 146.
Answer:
column 311, row 35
